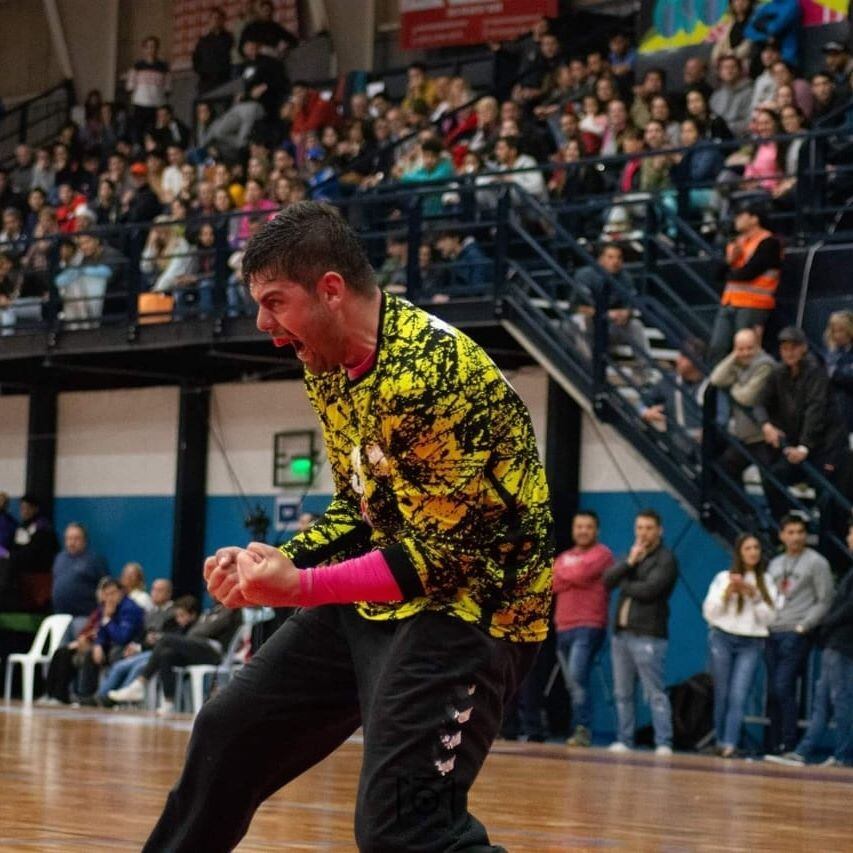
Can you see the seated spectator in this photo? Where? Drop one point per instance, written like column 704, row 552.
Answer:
column 573, row 179
column 712, row 126
column 237, row 295
column 471, row 271
column 77, row 571
column 764, row 86
column 654, row 171
column 432, row 278
column 580, row 616
column 21, row 175
column 320, row 175
column 838, row 338
column 633, row 143
column 392, row 275
column 738, row 607
column 624, row 328
column 70, row 202
column 64, row 168
column 535, row 74
column 133, row 584
column 140, row 203
column 107, row 208
column 678, row 400
column 660, row 111
column 827, row 101
column 654, row 84
column 43, row 175
column 435, row 166
column 311, row 111
column 783, row 75
column 732, row 97
column 92, row 285
column 10, row 289
column 800, row 420
column 164, row 616
column 766, row 167
column 730, row 38
column 167, row 256
column 255, row 203
column 419, row 87
column 754, row 259
column 197, row 293
column 618, row 122
column 743, row 374
column 117, row 621
column 694, row 171
column 172, row 181
column 593, row 124
column 837, row 62
column 834, row 691
column 509, row 159
column 645, row 581
column 205, row 641
column 13, row 237
column 805, row 586
column 793, row 122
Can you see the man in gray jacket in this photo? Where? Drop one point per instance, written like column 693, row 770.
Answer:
column 804, row 581
column 732, row 98
column 743, row 374
column 645, row 581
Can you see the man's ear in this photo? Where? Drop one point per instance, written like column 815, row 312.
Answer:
column 331, row 288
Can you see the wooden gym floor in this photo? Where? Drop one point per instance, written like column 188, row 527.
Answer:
column 88, row 780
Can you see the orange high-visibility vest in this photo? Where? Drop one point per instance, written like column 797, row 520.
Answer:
column 759, row 292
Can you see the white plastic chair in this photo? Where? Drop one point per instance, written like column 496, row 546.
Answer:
column 46, row 642
column 198, row 672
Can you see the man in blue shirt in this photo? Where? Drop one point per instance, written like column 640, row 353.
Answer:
column 76, row 572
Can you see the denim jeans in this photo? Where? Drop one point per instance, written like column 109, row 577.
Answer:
column 728, row 321
column 636, row 656
column 786, row 653
column 122, row 672
column 833, row 694
column 734, row 660
column 576, row 651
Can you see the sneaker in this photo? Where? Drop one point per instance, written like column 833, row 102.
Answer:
column 165, row 708
column 832, row 761
column 618, row 746
column 581, row 737
column 134, row 692
column 790, row 759
column 48, row 701
column 663, row 751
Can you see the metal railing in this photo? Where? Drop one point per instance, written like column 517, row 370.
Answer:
column 35, row 121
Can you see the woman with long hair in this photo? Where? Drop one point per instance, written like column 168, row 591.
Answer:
column 731, row 37
column 766, row 167
column 739, row 607
column 839, row 360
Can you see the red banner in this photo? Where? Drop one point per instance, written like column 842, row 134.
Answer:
column 438, row 23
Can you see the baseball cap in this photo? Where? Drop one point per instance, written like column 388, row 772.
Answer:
column 792, row 334
column 834, row 47
column 139, row 169
column 753, row 206
column 316, row 153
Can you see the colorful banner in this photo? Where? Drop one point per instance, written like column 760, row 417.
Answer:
column 438, row 23
column 670, row 24
column 192, row 19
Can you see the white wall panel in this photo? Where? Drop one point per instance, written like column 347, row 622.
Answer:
column 117, row 442
column 610, row 464
column 245, row 418
column 531, row 384
column 14, row 413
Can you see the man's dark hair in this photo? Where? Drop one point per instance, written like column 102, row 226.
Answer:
column 792, row 518
column 432, row 145
column 660, row 72
column 304, row 241
column 653, row 514
column 588, row 513
column 446, row 232
column 186, row 602
column 417, row 66
column 31, row 499
column 605, row 246
column 511, row 141
column 823, row 74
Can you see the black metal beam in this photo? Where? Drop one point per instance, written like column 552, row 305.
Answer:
column 190, row 491
column 562, row 459
column 41, row 447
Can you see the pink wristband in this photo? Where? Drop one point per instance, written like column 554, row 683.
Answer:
column 366, row 578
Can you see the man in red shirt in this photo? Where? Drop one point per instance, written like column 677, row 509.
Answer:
column 581, row 615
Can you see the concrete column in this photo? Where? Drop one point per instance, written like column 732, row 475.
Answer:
column 352, row 24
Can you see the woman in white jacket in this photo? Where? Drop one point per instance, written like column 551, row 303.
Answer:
column 739, row 607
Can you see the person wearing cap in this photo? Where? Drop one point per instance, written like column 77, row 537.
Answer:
column 140, row 204
column 837, row 62
column 754, row 261
column 827, row 100
column 800, row 420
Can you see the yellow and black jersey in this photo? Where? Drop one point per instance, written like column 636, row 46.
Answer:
column 435, row 463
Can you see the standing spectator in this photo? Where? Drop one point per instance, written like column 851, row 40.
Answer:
column 168, row 129
column 731, row 99
column 730, row 38
column 624, row 328
column 804, row 581
column 622, row 59
column 645, row 581
column 743, row 373
column 76, row 573
column 149, row 84
column 212, row 54
column 32, row 553
column 738, row 607
column 839, row 361
column 273, row 40
column 8, row 524
column 580, row 616
column 754, row 260
column 139, row 204
column 799, row 419
column 835, row 688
